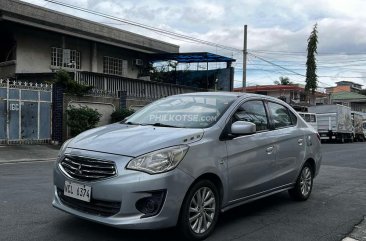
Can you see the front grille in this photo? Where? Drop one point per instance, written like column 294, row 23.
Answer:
column 87, row 169
column 96, row 207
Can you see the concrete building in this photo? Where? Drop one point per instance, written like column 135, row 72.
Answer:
column 344, row 86
column 37, row 41
column 356, row 101
column 292, row 94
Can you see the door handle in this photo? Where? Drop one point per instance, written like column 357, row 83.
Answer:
column 269, row 150
column 300, row 141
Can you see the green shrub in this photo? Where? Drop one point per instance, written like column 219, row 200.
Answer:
column 121, row 114
column 72, row 87
column 81, row 118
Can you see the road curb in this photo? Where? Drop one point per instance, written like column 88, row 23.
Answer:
column 16, row 161
column 358, row 233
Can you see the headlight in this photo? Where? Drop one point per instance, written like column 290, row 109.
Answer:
column 63, row 147
column 159, row 161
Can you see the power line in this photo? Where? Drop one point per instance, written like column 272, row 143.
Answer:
column 147, row 27
column 304, row 52
column 277, row 65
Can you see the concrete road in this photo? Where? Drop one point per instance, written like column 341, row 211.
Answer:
column 338, row 203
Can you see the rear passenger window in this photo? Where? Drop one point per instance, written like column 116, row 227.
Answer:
column 280, row 115
column 253, row 111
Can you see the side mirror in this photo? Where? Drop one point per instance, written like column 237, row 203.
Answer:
column 243, row 128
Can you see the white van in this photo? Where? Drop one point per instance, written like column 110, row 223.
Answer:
column 310, row 118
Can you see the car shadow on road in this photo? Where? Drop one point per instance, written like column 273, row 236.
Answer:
column 80, row 229
column 86, row 230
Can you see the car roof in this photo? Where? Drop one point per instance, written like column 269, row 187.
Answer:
column 234, row 94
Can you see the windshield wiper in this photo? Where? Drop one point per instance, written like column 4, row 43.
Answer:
column 163, row 125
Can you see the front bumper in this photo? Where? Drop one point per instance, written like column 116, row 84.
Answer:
column 127, row 188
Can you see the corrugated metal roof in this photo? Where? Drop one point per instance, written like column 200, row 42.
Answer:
column 193, row 57
column 347, row 96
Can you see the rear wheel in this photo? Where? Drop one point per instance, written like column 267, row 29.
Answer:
column 304, row 184
column 200, row 211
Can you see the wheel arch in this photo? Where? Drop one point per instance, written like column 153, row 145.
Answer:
column 312, row 164
column 215, row 179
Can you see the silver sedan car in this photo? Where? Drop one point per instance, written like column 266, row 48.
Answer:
column 184, row 159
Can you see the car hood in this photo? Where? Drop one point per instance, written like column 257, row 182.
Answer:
column 133, row 140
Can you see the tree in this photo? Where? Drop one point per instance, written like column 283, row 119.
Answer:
column 283, row 81
column 311, row 76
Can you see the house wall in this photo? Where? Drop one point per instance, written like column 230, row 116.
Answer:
column 33, row 53
column 341, row 89
column 125, row 54
column 278, row 94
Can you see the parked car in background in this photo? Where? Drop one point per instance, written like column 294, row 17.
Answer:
column 184, row 159
column 310, row 118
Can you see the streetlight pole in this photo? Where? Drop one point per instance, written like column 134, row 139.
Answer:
column 245, row 53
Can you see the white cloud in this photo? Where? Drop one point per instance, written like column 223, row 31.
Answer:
column 272, row 25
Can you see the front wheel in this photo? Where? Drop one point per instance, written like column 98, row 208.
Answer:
column 200, row 211
column 304, row 184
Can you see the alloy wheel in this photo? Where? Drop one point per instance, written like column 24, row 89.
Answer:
column 305, row 181
column 202, row 210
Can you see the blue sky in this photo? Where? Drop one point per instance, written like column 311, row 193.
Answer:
column 277, row 32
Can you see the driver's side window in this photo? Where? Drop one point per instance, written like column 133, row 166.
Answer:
column 253, row 111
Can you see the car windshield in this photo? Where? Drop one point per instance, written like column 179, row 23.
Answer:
column 186, row 111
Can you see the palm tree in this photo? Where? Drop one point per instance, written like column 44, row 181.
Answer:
column 283, row 80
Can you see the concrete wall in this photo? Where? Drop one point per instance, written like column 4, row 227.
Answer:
column 104, row 105
column 34, row 52
column 125, row 54
column 136, row 103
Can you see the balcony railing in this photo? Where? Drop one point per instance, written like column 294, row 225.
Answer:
column 114, row 85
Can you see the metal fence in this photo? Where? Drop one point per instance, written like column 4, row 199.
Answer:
column 113, row 85
column 25, row 112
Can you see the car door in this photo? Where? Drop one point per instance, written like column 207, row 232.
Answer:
column 290, row 143
column 250, row 157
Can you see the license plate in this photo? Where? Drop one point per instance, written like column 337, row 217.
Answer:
column 78, row 191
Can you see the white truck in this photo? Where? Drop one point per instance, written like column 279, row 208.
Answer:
column 310, row 118
column 334, row 122
column 357, row 122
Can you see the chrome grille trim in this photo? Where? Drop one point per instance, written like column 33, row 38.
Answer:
column 87, row 169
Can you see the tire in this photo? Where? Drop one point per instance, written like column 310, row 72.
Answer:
column 342, row 140
column 304, row 184
column 195, row 229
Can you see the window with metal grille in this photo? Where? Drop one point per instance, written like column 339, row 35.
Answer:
column 65, row 58
column 114, row 66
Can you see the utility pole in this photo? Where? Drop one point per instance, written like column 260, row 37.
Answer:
column 245, row 53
